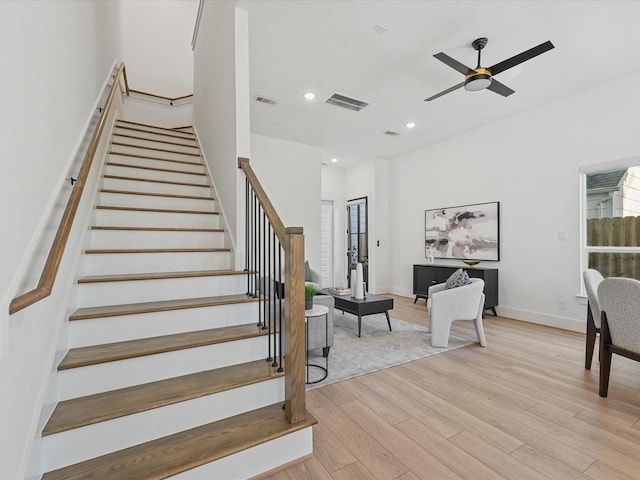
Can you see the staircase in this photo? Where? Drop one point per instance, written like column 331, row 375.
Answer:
column 166, row 373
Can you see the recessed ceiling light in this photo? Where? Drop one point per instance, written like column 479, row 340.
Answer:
column 309, row 95
column 334, row 160
column 410, row 124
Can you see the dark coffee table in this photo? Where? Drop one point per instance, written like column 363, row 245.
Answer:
column 369, row 305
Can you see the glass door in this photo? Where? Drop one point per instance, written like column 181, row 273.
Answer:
column 357, row 237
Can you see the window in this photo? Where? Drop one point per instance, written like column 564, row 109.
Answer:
column 611, row 225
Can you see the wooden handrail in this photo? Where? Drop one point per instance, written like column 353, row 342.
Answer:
column 269, row 210
column 51, row 266
column 169, row 99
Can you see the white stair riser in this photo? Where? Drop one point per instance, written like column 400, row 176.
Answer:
column 255, row 460
column 171, row 155
column 153, row 201
column 162, row 135
column 119, row 293
column 154, row 163
column 93, row 331
column 155, row 187
column 78, row 382
column 185, row 146
column 155, row 175
column 155, row 239
column 132, row 218
column 77, row 445
column 116, row 263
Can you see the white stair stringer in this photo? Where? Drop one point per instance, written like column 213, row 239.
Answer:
column 91, row 441
column 83, row 381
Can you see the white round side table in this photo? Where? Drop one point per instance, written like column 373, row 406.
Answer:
column 316, row 312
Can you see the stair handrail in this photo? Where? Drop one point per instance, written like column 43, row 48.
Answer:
column 56, row 252
column 292, row 241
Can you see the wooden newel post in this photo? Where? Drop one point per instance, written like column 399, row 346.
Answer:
column 294, row 334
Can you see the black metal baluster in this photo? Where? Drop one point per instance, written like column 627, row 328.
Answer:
column 272, row 255
column 247, row 221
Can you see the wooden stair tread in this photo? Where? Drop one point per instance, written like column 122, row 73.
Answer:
column 158, row 210
column 130, row 145
column 155, row 250
column 88, row 313
column 82, row 411
column 134, row 137
column 127, row 277
column 120, row 121
column 155, row 169
column 111, row 352
column 154, row 194
column 159, row 229
column 135, row 155
column 169, row 182
column 185, row 450
column 167, row 134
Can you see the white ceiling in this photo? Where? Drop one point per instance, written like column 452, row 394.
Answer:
column 331, row 47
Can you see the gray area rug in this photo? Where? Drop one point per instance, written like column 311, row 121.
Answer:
column 378, row 348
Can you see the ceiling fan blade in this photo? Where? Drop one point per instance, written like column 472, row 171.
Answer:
column 500, row 88
column 521, row 57
column 448, row 90
column 453, row 63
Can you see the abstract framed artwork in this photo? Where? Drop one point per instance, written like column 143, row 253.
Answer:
column 467, row 232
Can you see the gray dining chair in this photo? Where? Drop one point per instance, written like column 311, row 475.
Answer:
column 592, row 279
column 620, row 324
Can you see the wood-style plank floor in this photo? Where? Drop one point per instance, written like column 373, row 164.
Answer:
column 522, row 408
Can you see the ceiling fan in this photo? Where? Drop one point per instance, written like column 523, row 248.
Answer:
column 480, row 77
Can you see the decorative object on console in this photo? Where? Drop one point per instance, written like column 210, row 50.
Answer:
column 359, row 282
column 471, row 263
column 309, row 292
column 340, row 291
column 353, row 284
column 469, row 232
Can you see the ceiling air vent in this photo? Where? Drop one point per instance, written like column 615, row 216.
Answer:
column 266, row 100
column 346, row 102
column 391, row 133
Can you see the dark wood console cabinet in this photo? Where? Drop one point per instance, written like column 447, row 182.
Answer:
column 426, row 275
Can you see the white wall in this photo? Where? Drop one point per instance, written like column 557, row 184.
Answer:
column 332, row 188
column 155, row 44
column 290, row 175
column 52, row 59
column 371, row 179
column 530, row 164
column 220, row 109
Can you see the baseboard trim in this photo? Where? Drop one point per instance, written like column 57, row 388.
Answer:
column 555, row 321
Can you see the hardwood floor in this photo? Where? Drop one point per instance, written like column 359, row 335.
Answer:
column 522, row 408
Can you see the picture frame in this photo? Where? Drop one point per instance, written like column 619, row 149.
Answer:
column 465, row 232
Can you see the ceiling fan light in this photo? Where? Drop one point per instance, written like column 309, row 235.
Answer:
column 477, row 82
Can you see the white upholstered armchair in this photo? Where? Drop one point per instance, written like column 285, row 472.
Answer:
column 460, row 303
